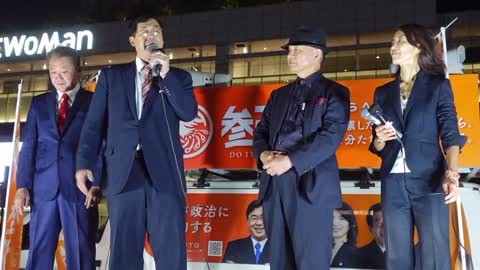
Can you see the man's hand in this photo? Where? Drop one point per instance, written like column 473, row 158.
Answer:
column 159, row 58
column 266, row 156
column 450, row 187
column 22, row 199
column 278, row 165
column 82, row 176
column 93, row 197
column 269, row 155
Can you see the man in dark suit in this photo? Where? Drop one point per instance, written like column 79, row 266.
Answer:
column 295, row 144
column 46, row 172
column 254, row 248
column 372, row 255
column 137, row 108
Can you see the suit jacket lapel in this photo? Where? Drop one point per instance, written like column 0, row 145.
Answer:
column 52, row 110
column 249, row 251
column 316, row 90
column 284, row 97
column 395, row 100
column 73, row 110
column 128, row 77
column 417, row 92
column 265, row 256
column 151, row 96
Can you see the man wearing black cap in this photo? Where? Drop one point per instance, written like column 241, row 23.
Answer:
column 295, row 143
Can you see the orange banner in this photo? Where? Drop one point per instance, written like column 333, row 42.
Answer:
column 14, row 226
column 215, row 218
column 60, row 254
column 221, row 135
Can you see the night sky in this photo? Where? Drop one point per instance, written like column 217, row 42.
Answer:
column 18, row 15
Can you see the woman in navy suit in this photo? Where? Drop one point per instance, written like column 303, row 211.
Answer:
column 419, row 177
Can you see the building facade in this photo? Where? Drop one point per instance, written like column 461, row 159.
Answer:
column 244, row 43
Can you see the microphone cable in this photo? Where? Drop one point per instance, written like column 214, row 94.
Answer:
column 162, row 93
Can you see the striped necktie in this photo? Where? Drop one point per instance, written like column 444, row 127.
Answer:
column 147, row 83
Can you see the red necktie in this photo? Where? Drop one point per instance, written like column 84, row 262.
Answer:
column 147, row 83
column 63, row 112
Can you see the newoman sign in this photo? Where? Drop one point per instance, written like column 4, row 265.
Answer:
column 30, row 45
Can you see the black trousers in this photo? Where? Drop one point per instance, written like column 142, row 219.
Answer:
column 140, row 208
column 300, row 234
column 402, row 211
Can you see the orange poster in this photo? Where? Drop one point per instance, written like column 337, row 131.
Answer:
column 221, row 135
column 216, row 217
column 213, row 219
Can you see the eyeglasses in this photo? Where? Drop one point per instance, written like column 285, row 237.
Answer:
column 255, row 218
column 154, row 32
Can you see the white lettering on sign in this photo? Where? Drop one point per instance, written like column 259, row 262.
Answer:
column 32, row 45
column 47, row 44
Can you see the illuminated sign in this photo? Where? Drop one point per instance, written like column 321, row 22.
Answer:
column 32, row 45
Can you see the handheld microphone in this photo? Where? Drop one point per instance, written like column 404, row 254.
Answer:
column 156, row 67
column 374, row 115
column 377, row 111
column 368, row 116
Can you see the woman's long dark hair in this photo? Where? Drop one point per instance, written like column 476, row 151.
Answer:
column 429, row 58
column 347, row 213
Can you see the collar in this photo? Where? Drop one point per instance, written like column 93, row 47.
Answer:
column 309, row 80
column 71, row 93
column 340, row 242
column 381, row 248
column 255, row 241
column 140, row 64
column 420, row 74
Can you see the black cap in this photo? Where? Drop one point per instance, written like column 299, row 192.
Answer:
column 308, row 36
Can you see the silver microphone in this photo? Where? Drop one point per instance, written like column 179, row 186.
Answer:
column 156, row 67
column 368, row 116
column 376, row 112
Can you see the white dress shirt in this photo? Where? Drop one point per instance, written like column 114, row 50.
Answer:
column 262, row 244
column 381, row 248
column 71, row 96
column 139, row 80
column 400, row 165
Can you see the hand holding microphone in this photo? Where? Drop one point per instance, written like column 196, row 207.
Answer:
column 159, row 61
column 384, row 130
column 385, row 133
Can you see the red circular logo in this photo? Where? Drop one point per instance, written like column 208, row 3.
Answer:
column 196, row 135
